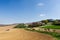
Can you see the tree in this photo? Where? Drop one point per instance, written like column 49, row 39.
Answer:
column 44, row 21
column 56, row 22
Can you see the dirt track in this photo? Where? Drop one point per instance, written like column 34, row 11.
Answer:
column 21, row 34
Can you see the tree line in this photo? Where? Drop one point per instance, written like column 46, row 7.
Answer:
column 39, row 23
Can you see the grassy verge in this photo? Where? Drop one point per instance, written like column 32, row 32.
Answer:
column 52, row 27
column 54, row 34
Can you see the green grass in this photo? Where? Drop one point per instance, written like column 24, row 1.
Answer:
column 52, row 27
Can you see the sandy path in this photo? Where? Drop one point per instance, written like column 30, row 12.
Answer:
column 21, row 34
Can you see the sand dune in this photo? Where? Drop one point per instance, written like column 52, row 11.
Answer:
column 21, row 34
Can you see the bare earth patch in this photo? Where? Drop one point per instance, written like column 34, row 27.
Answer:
column 21, row 34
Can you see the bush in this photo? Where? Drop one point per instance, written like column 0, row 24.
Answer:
column 20, row 26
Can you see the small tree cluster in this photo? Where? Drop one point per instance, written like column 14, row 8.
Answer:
column 34, row 24
column 56, row 22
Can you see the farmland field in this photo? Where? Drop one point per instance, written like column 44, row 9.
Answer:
column 52, row 27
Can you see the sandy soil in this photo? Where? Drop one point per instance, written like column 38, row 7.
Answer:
column 21, row 34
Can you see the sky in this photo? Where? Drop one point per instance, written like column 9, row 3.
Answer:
column 24, row 11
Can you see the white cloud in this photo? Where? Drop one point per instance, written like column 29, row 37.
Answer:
column 42, row 15
column 40, row 4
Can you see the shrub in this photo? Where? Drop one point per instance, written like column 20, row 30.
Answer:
column 20, row 26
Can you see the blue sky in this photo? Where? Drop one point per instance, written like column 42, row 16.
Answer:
column 23, row 11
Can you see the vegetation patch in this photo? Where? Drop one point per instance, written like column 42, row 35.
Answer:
column 20, row 26
column 52, row 26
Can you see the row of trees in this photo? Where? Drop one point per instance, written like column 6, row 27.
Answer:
column 53, row 22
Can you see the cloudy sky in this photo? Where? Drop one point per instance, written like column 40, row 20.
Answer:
column 22, row 11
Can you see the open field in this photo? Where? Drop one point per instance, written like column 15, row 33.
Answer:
column 21, row 34
column 52, row 26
